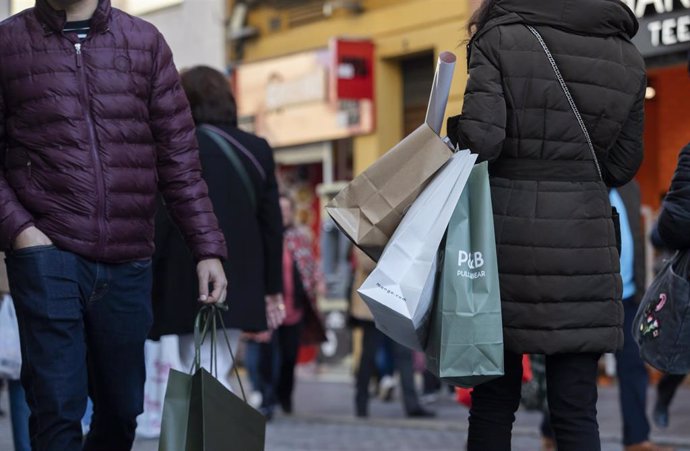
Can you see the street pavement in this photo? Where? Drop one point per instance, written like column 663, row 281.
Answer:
column 323, row 421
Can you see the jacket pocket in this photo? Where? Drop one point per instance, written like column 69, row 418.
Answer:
column 44, row 283
column 18, row 168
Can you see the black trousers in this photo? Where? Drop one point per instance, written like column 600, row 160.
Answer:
column 572, row 394
column 666, row 390
column 633, row 381
column 288, row 341
column 371, row 341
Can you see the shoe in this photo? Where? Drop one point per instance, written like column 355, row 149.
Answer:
column 255, row 399
column 429, row 398
column 387, row 388
column 548, row 444
column 647, row 446
column 286, row 407
column 421, row 413
column 660, row 416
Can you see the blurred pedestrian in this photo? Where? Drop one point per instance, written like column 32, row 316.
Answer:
column 633, row 379
column 94, row 125
column 240, row 173
column 560, row 286
column 302, row 284
column 273, row 355
column 372, row 340
column 672, row 233
column 19, row 408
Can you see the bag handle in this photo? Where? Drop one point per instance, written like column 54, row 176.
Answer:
column 566, row 91
column 207, row 321
column 234, row 161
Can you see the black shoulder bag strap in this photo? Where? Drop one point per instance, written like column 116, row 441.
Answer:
column 234, row 161
column 578, row 116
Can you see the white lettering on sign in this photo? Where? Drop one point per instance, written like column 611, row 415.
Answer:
column 670, row 31
column 639, row 7
column 684, row 29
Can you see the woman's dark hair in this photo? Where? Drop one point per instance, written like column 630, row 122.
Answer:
column 210, row 96
column 480, row 17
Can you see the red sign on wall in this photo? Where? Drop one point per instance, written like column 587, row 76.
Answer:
column 352, row 74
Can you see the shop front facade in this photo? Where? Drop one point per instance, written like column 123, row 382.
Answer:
column 664, row 41
column 333, row 85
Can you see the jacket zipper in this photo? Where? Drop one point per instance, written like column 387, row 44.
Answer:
column 98, row 167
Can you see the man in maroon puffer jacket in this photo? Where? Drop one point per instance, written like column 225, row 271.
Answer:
column 93, row 122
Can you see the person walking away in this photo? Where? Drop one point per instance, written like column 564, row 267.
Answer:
column 633, row 378
column 94, row 123
column 556, row 237
column 239, row 170
column 372, row 340
column 672, row 233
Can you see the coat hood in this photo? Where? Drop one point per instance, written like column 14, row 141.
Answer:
column 588, row 17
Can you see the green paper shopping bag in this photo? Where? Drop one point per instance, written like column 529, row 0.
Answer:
column 465, row 346
column 199, row 413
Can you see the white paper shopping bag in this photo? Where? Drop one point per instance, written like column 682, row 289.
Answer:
column 400, row 290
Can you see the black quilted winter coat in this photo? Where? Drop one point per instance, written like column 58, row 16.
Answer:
column 558, row 261
column 90, row 131
column 674, row 220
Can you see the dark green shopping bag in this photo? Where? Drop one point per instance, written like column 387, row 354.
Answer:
column 465, row 346
column 200, row 414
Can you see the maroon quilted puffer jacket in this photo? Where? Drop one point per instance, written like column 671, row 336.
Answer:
column 89, row 131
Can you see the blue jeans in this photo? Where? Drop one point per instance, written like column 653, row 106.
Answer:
column 262, row 361
column 19, row 411
column 82, row 326
column 633, row 380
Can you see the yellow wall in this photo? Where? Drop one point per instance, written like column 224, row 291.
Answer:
column 398, row 28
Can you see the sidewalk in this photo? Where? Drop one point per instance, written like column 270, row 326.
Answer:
column 324, row 422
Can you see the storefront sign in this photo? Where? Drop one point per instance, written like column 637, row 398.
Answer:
column 296, row 99
column 353, row 74
column 664, row 26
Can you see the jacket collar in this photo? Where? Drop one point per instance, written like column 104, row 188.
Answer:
column 54, row 21
column 587, row 17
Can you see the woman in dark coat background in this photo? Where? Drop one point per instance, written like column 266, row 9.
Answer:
column 673, row 233
column 557, row 248
column 254, row 233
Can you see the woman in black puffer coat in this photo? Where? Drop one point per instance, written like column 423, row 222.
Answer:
column 556, row 235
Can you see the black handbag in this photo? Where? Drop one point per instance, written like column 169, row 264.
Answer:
column 662, row 324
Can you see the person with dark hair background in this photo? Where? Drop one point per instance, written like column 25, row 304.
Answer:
column 240, row 173
column 557, row 130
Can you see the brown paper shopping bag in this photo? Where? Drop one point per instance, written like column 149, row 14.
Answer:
column 371, row 207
